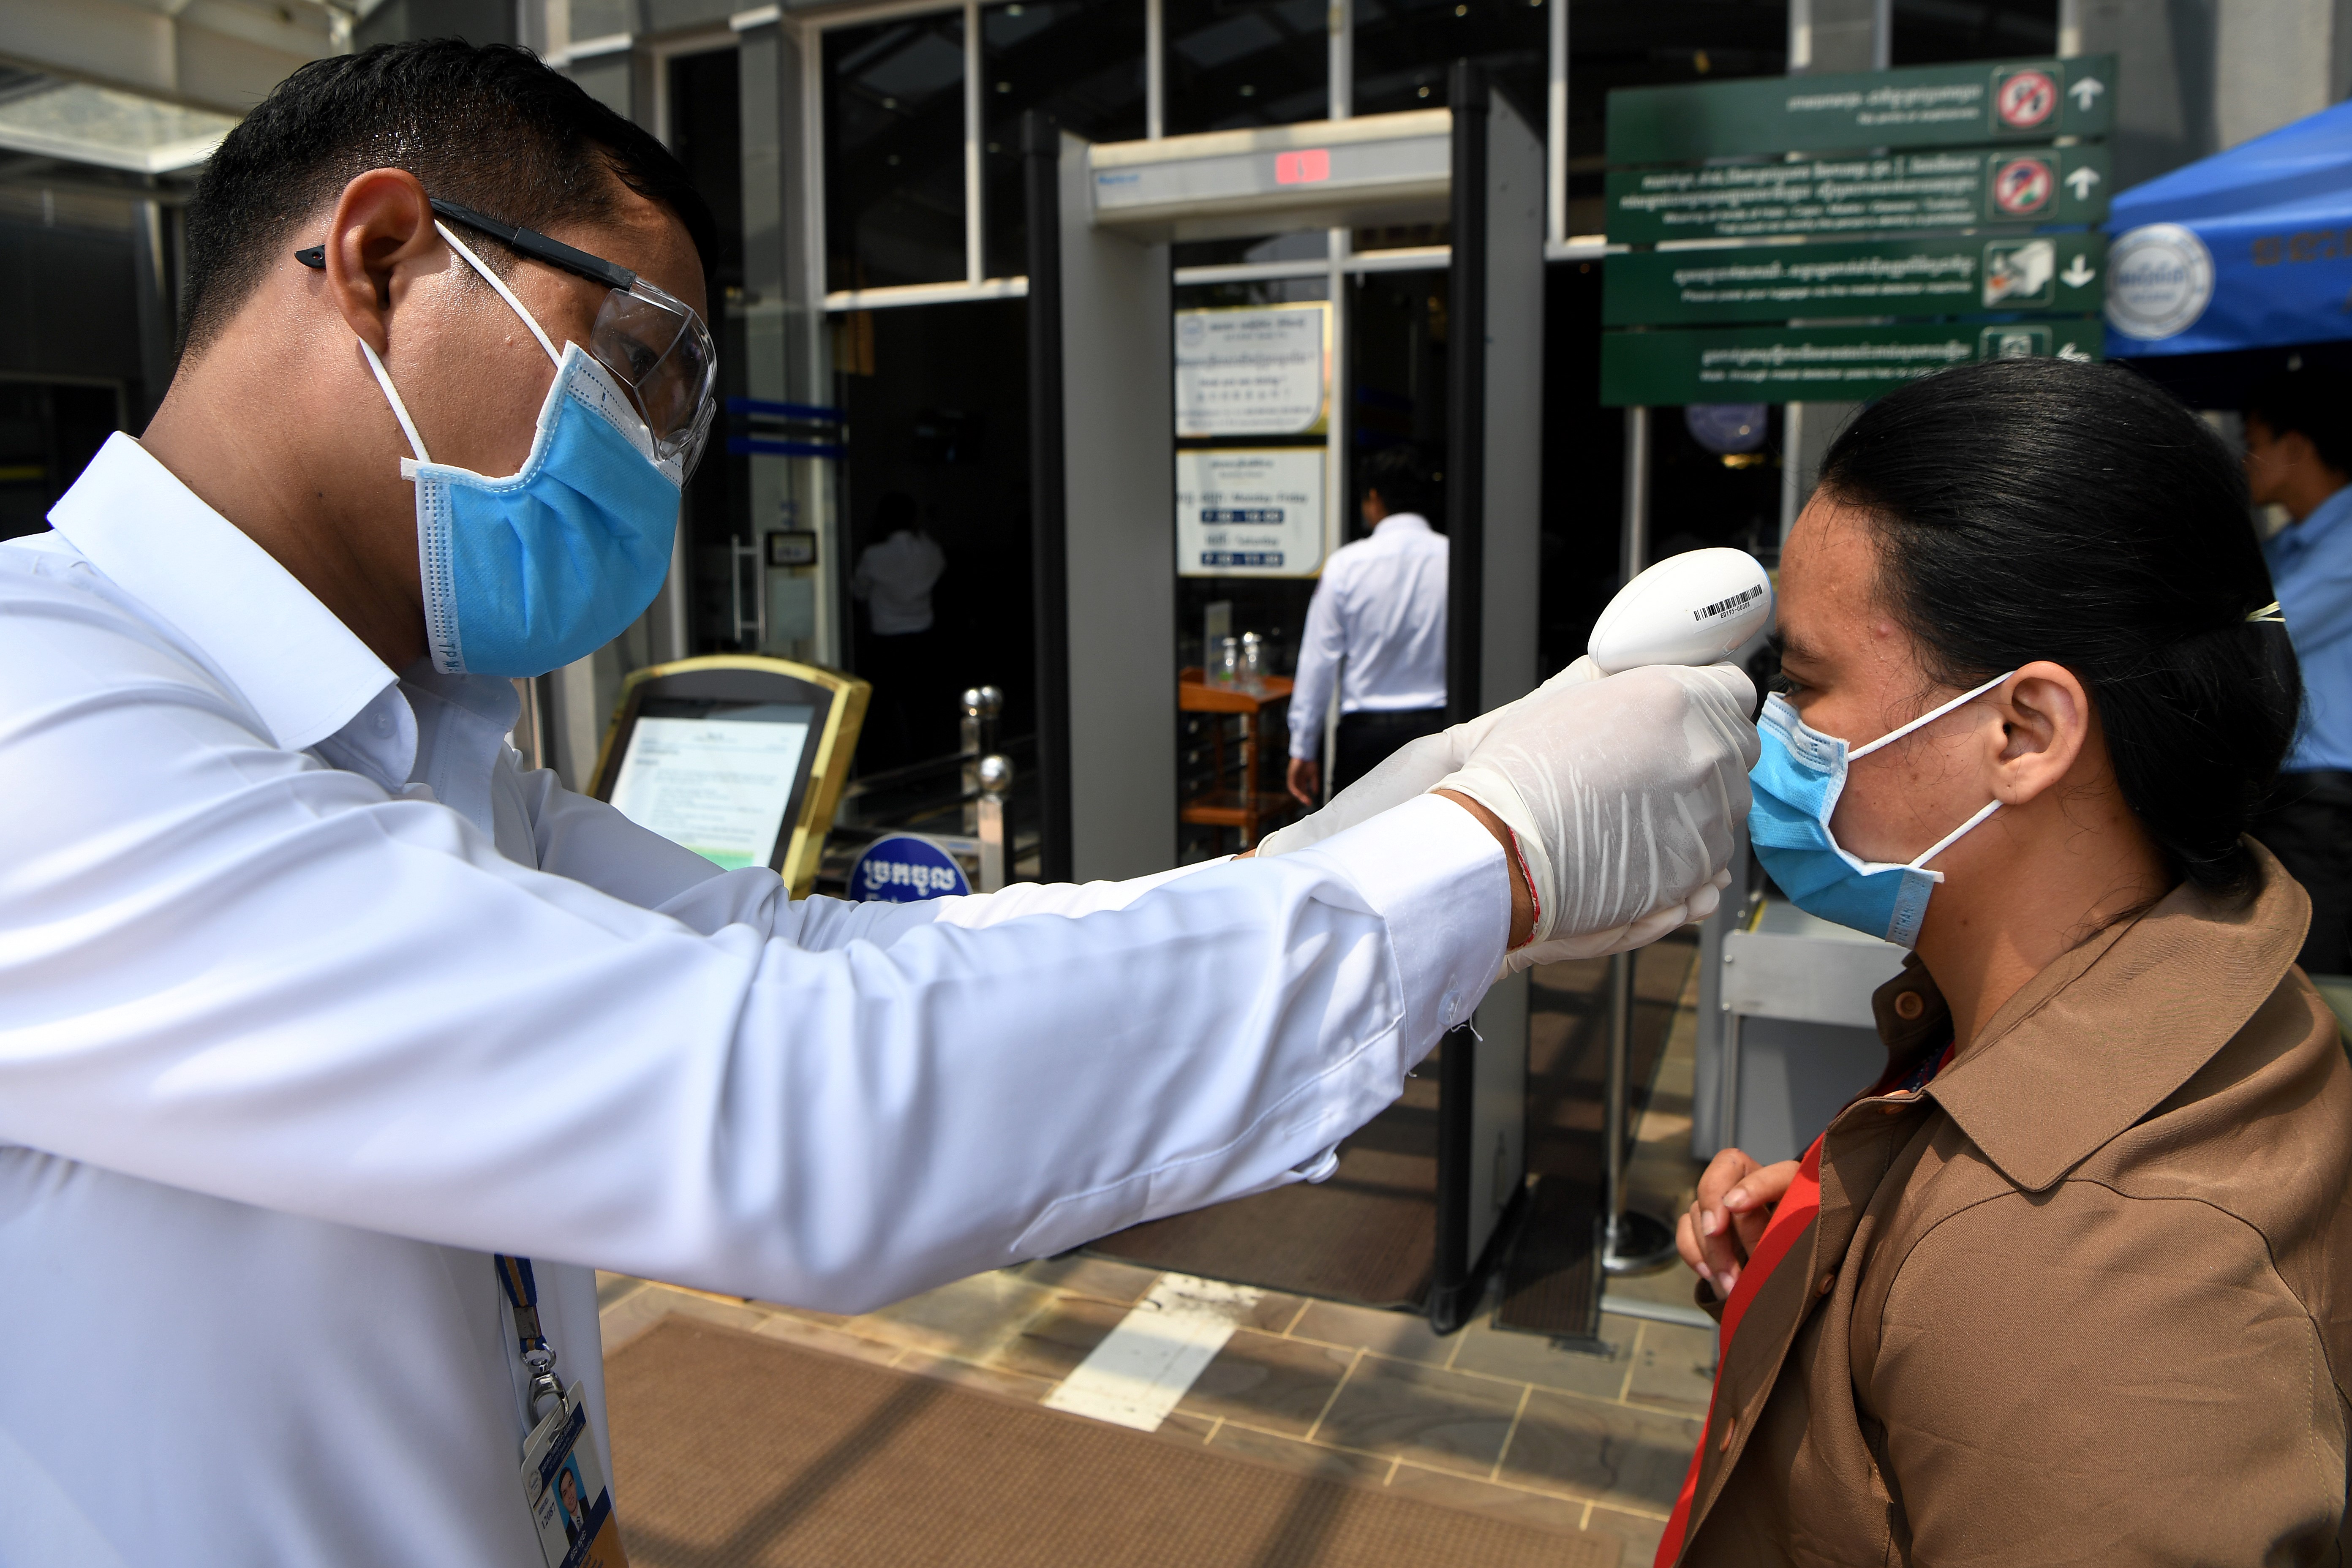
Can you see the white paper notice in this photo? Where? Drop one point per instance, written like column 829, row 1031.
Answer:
column 716, row 786
column 1254, row 370
column 1251, row 512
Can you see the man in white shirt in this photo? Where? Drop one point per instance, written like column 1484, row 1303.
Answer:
column 1377, row 628
column 311, row 1000
column 894, row 576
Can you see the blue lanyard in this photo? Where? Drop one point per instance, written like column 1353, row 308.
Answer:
column 522, row 1299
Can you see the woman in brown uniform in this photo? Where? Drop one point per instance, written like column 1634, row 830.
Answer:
column 2072, row 1282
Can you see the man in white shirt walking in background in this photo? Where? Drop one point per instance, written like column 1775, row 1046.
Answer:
column 895, row 575
column 1377, row 627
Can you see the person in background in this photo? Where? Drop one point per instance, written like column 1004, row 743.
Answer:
column 895, row 575
column 1377, row 627
column 2299, row 456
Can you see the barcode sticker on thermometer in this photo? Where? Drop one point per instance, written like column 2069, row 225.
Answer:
column 1724, row 606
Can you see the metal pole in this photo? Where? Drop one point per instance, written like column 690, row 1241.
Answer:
column 975, row 183
column 1621, row 1044
column 1049, row 544
column 1155, row 71
column 995, row 784
column 1555, row 130
column 1633, row 552
column 1630, row 1243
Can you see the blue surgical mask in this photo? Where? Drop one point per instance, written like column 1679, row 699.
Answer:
column 527, row 573
column 1796, row 783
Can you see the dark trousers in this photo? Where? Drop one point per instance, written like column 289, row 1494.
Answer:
column 908, row 718
column 2307, row 824
column 1367, row 739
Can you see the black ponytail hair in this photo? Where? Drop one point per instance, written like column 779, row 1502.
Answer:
column 2039, row 509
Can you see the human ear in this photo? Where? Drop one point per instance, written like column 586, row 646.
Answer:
column 2045, row 722
column 383, row 222
column 2294, row 451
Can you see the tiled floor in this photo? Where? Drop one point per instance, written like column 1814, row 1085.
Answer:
column 1486, row 1420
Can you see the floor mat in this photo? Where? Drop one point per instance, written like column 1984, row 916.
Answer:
column 730, row 1450
column 1549, row 1281
column 1369, row 1235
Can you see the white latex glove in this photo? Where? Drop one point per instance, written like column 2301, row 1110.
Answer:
column 1413, row 769
column 1619, row 938
column 1623, row 795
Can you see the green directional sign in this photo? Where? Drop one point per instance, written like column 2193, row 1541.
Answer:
column 1810, row 364
column 1889, row 194
column 2056, row 274
column 1922, row 106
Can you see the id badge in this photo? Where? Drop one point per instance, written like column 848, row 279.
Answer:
column 564, row 1487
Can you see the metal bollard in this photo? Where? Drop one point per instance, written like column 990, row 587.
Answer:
column 995, row 782
column 982, row 704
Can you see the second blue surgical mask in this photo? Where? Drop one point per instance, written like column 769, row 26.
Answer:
column 526, row 574
column 1797, row 782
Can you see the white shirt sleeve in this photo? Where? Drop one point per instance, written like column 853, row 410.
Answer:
column 589, row 841
column 1320, row 650
column 227, row 968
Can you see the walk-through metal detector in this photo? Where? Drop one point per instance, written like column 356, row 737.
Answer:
column 1101, row 220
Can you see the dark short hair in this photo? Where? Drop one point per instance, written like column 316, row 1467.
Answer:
column 2314, row 402
column 2034, row 509
column 490, row 128
column 1406, row 477
column 894, row 511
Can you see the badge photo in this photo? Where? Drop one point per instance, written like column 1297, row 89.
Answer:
column 571, row 1507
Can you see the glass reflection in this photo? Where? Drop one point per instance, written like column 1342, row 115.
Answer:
column 894, row 138
column 1234, row 63
column 1081, row 61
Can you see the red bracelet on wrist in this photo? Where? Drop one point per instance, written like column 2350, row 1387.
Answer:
column 1534, row 899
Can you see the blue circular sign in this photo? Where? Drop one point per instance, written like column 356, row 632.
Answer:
column 903, row 867
column 1726, row 428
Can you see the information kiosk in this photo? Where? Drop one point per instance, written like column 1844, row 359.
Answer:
column 1101, row 219
column 738, row 758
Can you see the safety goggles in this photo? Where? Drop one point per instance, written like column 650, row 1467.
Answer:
column 652, row 342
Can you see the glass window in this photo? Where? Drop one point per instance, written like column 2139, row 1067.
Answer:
column 1934, row 34
column 1233, row 63
column 1612, row 47
column 1404, row 49
column 1081, row 61
column 48, row 432
column 705, row 132
column 894, row 152
column 941, row 406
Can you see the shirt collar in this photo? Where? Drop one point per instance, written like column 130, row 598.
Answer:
column 2324, row 519
column 303, row 672
column 1401, row 523
column 2106, row 1032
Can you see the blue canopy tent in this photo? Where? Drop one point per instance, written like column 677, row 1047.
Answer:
column 2237, row 265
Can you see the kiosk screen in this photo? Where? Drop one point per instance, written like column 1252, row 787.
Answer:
column 714, row 776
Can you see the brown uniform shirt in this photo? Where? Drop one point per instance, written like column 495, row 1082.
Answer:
column 2087, row 1299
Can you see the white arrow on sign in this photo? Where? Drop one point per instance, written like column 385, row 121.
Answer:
column 2068, row 351
column 2081, row 272
column 2082, row 179
column 2085, row 91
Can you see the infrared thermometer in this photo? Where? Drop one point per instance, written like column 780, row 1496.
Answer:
column 1695, row 608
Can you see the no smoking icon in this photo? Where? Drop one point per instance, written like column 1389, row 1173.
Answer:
column 2023, row 187
column 2025, row 99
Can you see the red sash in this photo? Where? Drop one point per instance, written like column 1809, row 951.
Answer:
column 1796, row 1210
